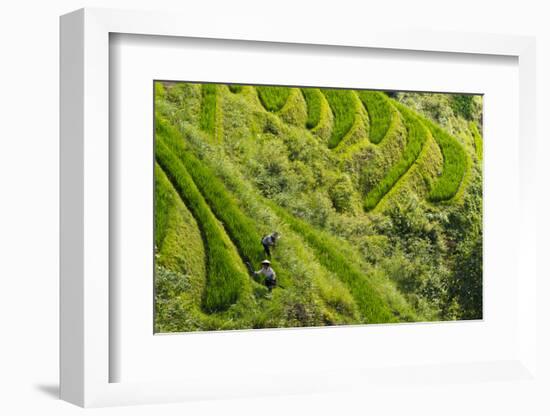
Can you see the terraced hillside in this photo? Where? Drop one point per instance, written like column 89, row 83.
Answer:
column 377, row 197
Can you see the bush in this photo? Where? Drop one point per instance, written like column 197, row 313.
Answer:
column 313, row 100
column 343, row 105
column 273, row 98
column 341, row 194
column 160, row 92
column 417, row 135
column 463, row 105
column 235, row 88
column 380, row 112
column 208, row 108
column 467, row 280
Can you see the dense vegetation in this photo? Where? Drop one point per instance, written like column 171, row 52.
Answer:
column 235, row 88
column 313, row 100
column 273, row 98
column 225, row 280
column 381, row 113
column 208, row 108
column 343, row 104
column 455, row 165
column 417, row 135
column 377, row 197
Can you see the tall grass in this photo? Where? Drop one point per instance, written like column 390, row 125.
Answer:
column 417, row 135
column 313, row 99
column 455, row 164
column 244, row 232
column 329, row 253
column 273, row 98
column 177, row 236
column 225, row 280
column 343, row 105
column 208, row 108
column 380, row 112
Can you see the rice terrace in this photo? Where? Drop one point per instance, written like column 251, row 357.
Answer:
column 285, row 207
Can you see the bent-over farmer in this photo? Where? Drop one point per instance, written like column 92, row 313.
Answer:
column 269, row 241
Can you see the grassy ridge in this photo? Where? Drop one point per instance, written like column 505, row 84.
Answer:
column 343, row 106
column 208, row 108
column 455, row 164
column 225, row 280
column 313, row 100
column 241, row 229
column 329, row 253
column 273, row 98
column 380, row 112
column 293, row 260
column 177, row 235
column 417, row 135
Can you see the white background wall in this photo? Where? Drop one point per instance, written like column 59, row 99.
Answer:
column 29, row 208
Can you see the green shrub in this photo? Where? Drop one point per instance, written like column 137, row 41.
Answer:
column 380, row 112
column 417, row 135
column 273, row 98
column 160, row 92
column 313, row 99
column 463, row 105
column 235, row 88
column 455, row 164
column 344, row 108
column 225, row 280
column 341, row 194
column 208, row 108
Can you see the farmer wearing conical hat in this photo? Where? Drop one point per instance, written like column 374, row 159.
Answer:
column 269, row 275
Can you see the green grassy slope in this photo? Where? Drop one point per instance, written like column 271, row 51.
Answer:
column 273, row 98
column 381, row 113
column 225, row 279
column 343, row 105
column 313, row 100
column 325, row 167
column 417, row 136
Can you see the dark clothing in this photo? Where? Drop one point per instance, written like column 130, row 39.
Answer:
column 270, row 277
column 269, row 241
column 270, row 283
column 266, row 250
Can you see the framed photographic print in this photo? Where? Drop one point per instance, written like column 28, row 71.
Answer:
column 305, row 213
column 281, row 207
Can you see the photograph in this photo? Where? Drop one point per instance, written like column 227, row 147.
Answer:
column 308, row 206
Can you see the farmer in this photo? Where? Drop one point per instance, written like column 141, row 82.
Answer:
column 268, row 273
column 269, row 241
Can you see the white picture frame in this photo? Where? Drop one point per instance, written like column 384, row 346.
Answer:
column 85, row 354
